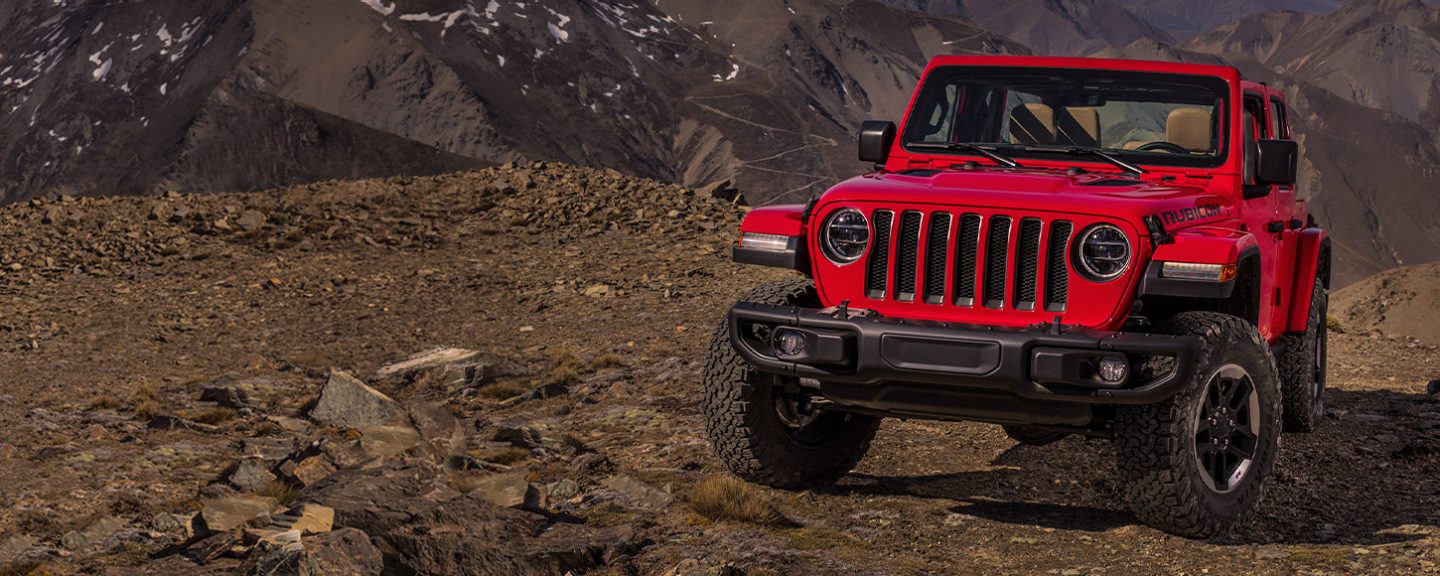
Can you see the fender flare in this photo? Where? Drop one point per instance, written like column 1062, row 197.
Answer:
column 781, row 220
column 1312, row 260
column 1199, row 245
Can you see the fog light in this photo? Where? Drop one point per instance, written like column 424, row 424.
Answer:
column 1114, row 369
column 789, row 343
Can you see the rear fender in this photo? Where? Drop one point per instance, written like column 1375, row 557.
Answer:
column 1312, row 260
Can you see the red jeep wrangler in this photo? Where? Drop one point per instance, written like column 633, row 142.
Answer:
column 1057, row 245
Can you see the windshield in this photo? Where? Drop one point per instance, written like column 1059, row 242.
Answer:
column 1143, row 118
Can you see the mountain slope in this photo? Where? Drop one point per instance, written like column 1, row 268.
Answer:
column 692, row 93
column 1186, row 17
column 1057, row 27
column 1402, row 302
column 1379, row 54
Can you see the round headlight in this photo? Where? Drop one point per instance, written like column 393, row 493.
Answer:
column 845, row 236
column 1103, row 253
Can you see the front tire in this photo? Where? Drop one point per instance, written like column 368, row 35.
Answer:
column 766, row 435
column 1195, row 465
column 1302, row 367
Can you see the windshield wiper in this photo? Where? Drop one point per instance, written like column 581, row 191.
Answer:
column 1087, row 151
column 1000, row 159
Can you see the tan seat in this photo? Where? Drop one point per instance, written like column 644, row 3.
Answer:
column 1032, row 123
column 1079, row 126
column 1190, row 128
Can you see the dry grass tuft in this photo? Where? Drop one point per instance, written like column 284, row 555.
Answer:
column 567, row 359
column 502, row 456
column 562, row 375
column 147, row 402
column 217, row 415
column 283, row 493
column 149, row 410
column 1333, row 324
column 503, row 391
column 604, row 361
column 729, row 498
column 106, row 402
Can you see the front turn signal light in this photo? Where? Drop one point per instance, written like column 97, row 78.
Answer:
column 766, row 242
column 1199, row 272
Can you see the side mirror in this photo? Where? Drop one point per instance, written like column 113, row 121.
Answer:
column 1278, row 162
column 876, row 136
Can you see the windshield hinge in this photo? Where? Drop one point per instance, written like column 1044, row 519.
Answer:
column 1158, row 235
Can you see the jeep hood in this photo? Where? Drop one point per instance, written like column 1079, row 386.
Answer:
column 1100, row 194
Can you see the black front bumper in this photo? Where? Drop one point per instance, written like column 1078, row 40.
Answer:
column 1040, row 375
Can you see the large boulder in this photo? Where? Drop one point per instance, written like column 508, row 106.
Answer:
column 345, row 551
column 346, row 402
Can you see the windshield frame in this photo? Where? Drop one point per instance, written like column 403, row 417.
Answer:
column 941, row 76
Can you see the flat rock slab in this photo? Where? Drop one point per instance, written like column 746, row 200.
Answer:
column 346, row 402
column 12, row 547
column 226, row 514
column 312, row 519
column 452, row 367
column 382, row 442
column 92, row 535
column 636, row 493
column 508, row 491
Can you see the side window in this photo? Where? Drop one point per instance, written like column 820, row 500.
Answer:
column 1279, row 120
column 1255, row 107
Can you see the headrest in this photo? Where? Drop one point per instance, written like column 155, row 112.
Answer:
column 1079, row 126
column 1191, row 128
column 1032, row 123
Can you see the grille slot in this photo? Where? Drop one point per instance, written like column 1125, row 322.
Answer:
column 907, row 256
column 967, row 246
column 1028, row 266
column 879, row 262
column 937, row 246
column 997, row 256
column 1057, row 274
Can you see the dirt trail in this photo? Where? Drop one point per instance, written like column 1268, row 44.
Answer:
column 592, row 296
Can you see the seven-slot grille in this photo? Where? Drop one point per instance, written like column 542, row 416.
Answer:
column 997, row 261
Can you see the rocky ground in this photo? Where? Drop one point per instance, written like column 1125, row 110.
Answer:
column 496, row 372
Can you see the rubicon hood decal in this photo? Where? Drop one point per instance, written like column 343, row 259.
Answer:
column 1199, row 212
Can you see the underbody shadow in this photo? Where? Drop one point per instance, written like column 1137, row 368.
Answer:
column 1369, row 475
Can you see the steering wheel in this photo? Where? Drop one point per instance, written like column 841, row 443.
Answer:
column 1164, row 146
